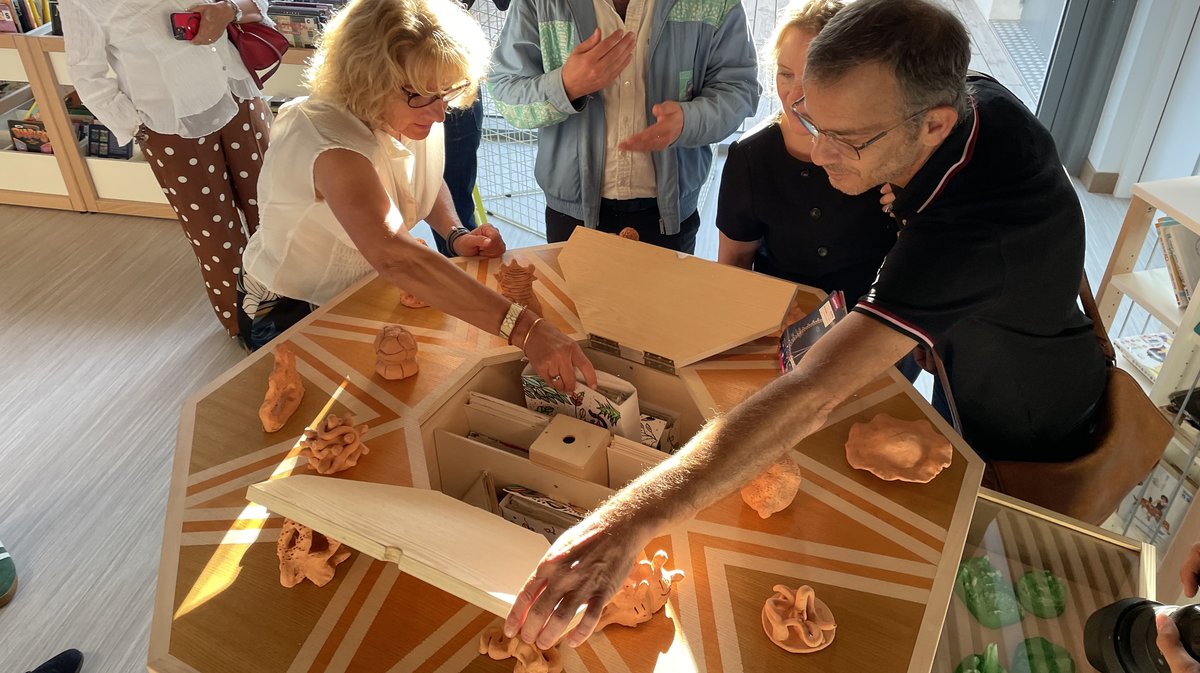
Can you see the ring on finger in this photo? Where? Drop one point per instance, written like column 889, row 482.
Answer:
column 556, row 378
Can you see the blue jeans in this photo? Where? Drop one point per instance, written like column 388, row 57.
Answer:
column 464, row 129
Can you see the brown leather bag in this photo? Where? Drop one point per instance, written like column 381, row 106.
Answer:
column 1131, row 435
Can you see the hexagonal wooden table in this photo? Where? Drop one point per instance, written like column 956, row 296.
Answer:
column 881, row 554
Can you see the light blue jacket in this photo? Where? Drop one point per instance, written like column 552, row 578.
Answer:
column 700, row 55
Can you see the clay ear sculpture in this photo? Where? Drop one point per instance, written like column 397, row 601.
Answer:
column 285, row 389
column 773, row 490
column 409, row 300
column 798, row 621
column 630, row 233
column 306, row 554
column 395, row 353
column 530, row 659
column 896, row 450
column 644, row 593
column 516, row 284
column 334, row 445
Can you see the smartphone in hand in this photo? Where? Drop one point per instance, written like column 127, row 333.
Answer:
column 185, row 25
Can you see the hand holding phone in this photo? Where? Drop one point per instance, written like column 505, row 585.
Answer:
column 185, row 25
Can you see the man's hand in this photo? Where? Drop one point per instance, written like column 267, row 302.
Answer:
column 886, row 197
column 660, row 134
column 604, row 553
column 485, row 241
column 596, row 62
column 214, row 17
column 1168, row 642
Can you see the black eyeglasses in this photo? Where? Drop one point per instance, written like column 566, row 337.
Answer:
column 842, row 147
column 418, row 100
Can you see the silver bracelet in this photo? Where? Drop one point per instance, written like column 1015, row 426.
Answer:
column 237, row 10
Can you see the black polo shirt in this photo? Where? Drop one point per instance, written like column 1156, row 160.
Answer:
column 986, row 269
column 809, row 232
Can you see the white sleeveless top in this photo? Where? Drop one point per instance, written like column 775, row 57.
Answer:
column 300, row 249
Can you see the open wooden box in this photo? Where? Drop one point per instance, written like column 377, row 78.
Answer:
column 881, row 554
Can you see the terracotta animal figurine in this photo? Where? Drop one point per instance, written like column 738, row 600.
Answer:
column 409, row 300
column 334, row 445
column 798, row 621
column 285, row 389
column 630, row 233
column 395, row 353
column 644, row 593
column 892, row 449
column 530, row 659
column 306, row 554
column 773, row 490
column 516, row 284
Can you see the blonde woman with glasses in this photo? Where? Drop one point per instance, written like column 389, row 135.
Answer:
column 358, row 163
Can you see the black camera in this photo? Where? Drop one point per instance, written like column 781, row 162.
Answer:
column 1120, row 638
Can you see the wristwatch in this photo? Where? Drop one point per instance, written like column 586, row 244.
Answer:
column 510, row 320
column 237, row 10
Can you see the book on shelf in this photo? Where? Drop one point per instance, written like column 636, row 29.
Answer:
column 1185, row 249
column 1145, row 351
column 10, row 22
column 800, row 336
column 1167, row 245
column 29, row 135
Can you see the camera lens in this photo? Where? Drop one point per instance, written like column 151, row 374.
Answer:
column 1120, row 638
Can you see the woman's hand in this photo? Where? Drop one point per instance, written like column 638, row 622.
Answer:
column 555, row 356
column 485, row 241
column 554, row 593
column 214, row 18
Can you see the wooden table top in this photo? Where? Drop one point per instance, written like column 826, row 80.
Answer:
column 881, row 554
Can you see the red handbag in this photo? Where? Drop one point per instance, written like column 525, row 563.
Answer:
column 260, row 46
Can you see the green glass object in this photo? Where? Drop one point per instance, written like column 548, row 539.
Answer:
column 1038, row 655
column 1041, row 593
column 988, row 662
column 989, row 598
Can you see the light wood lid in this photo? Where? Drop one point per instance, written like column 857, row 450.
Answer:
column 670, row 304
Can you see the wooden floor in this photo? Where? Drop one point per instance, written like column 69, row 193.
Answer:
column 104, row 330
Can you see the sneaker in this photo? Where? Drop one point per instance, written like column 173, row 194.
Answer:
column 8, row 576
column 63, row 662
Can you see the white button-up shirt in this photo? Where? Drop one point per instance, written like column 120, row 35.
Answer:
column 172, row 86
column 627, row 175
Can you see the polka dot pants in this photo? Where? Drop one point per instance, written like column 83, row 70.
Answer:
column 211, row 182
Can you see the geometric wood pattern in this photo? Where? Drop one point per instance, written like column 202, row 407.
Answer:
column 881, row 554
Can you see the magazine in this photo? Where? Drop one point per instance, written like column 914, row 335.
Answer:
column 1145, row 351
column 800, row 336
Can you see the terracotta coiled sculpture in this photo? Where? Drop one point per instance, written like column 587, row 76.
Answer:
column 529, row 658
column 334, row 445
column 644, row 593
column 285, row 389
column 773, row 490
column 395, row 353
column 798, row 621
column 516, row 284
column 306, row 554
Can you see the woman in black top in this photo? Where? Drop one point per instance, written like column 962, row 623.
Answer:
column 777, row 212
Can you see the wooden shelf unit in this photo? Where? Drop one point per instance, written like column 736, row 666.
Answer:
column 68, row 180
column 1152, row 290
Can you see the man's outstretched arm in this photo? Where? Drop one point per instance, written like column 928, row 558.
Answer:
column 589, row 562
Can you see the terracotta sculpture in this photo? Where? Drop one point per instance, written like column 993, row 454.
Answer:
column 630, row 233
column 409, row 300
column 516, row 284
column 798, row 621
column 529, row 658
column 773, row 490
column 306, row 554
column 334, row 445
column 892, row 449
column 284, row 391
column 395, row 353
column 644, row 593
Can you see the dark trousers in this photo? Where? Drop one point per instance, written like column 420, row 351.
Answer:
column 641, row 214
column 464, row 129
